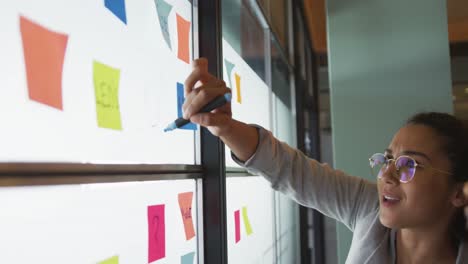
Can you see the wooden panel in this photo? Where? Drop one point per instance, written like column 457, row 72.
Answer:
column 457, row 11
column 316, row 19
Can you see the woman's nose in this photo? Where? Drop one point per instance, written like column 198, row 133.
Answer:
column 389, row 174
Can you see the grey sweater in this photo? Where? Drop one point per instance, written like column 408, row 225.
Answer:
column 351, row 200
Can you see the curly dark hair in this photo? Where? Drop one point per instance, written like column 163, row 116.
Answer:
column 455, row 135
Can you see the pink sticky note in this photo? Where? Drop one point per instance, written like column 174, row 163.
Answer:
column 237, row 223
column 183, row 36
column 156, row 233
column 44, row 54
column 185, row 203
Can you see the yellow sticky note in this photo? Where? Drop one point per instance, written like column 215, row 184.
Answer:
column 113, row 260
column 238, row 88
column 106, row 89
column 245, row 218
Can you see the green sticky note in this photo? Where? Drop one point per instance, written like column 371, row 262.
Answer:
column 248, row 228
column 113, row 260
column 106, row 90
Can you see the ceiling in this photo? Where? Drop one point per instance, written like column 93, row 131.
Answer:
column 457, row 11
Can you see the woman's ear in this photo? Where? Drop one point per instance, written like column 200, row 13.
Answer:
column 460, row 196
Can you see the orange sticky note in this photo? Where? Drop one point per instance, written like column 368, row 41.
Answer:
column 44, row 54
column 185, row 203
column 238, row 88
column 183, row 35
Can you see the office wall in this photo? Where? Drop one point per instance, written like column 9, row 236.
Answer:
column 387, row 60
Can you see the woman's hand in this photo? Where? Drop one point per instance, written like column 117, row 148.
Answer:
column 217, row 121
column 241, row 138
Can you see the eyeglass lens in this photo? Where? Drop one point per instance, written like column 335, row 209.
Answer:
column 405, row 166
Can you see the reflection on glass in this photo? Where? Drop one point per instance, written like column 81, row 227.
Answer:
column 243, row 31
column 286, row 230
column 276, row 11
column 282, row 99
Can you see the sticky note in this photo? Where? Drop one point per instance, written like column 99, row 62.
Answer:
column 156, row 233
column 237, row 225
column 245, row 218
column 183, row 37
column 188, row 258
column 44, row 54
column 238, row 88
column 180, row 102
column 113, row 260
column 163, row 9
column 185, row 204
column 106, row 90
column 117, row 7
column 229, row 68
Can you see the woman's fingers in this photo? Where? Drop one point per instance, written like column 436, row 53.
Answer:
column 199, row 73
column 225, row 109
column 202, row 96
column 197, row 97
column 216, row 123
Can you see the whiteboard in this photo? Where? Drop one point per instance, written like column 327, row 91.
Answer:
column 92, row 223
column 86, row 81
column 250, row 94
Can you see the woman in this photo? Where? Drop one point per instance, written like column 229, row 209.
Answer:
column 414, row 214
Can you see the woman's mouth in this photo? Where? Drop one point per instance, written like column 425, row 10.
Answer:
column 388, row 200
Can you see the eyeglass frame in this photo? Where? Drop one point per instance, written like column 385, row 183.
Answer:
column 416, row 165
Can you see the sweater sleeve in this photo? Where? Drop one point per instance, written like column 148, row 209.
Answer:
column 312, row 184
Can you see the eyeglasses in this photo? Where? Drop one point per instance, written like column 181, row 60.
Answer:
column 405, row 166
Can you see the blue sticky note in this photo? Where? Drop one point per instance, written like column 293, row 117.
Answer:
column 117, row 7
column 180, row 102
column 188, row 258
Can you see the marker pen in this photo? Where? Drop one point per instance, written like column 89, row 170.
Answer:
column 217, row 102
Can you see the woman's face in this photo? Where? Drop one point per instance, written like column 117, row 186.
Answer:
column 427, row 198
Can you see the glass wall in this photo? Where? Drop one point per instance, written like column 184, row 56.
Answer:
column 87, row 172
column 252, row 52
column 95, row 91
column 285, row 130
column 131, row 222
column 90, row 87
column 277, row 13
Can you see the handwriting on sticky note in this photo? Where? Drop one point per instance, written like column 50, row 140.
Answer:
column 245, row 218
column 44, row 54
column 237, row 226
column 238, row 88
column 156, row 232
column 106, row 89
column 185, row 204
column 187, row 258
column 164, row 9
column 183, row 36
column 112, row 260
